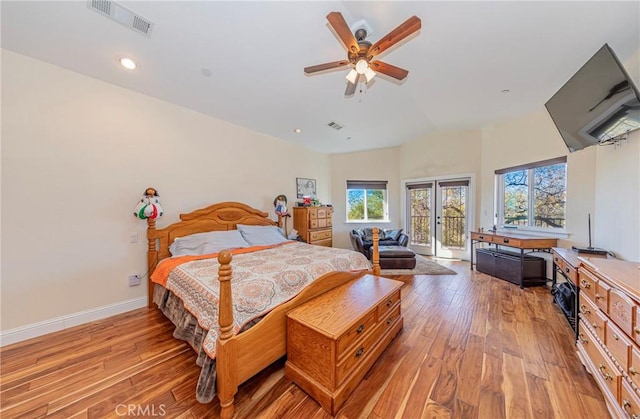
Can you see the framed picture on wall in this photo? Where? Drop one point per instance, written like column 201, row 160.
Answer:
column 305, row 187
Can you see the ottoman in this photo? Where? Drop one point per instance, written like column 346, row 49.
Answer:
column 396, row 257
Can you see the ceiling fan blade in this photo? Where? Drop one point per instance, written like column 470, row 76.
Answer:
column 351, row 87
column 325, row 66
column 408, row 27
column 388, row 69
column 339, row 25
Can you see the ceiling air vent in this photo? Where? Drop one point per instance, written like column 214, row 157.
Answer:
column 335, row 125
column 122, row 15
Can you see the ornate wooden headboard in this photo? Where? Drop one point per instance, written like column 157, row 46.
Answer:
column 216, row 217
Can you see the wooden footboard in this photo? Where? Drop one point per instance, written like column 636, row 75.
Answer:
column 239, row 357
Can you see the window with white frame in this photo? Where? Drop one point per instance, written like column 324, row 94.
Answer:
column 367, row 200
column 533, row 195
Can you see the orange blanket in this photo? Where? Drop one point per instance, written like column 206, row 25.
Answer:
column 161, row 273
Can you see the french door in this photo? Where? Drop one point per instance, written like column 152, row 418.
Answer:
column 438, row 217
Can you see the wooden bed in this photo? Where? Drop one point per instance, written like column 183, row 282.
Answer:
column 240, row 356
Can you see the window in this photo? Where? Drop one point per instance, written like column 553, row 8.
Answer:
column 533, row 195
column 367, row 200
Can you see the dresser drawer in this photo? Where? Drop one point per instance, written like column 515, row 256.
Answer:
column 634, row 368
column 357, row 354
column 587, row 284
column 355, row 332
column 621, row 310
column 325, row 243
column 313, row 223
column 618, row 344
column 636, row 326
column 387, row 305
column 319, row 235
column 629, row 400
column 603, row 369
column 322, row 213
column 601, row 297
column 313, row 212
column 590, row 314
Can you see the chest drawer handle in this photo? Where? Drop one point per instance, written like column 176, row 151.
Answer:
column 566, row 270
column 616, row 337
column 605, row 374
column 582, row 339
column 584, row 310
column 632, row 371
column 585, row 284
column 636, row 329
column 598, row 296
column 595, row 325
column 505, row 240
column 389, row 302
column 389, row 320
column 359, row 352
column 360, row 328
column 626, row 403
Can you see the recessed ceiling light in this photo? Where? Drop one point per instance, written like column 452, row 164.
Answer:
column 128, row 63
column 297, row 130
column 206, row 72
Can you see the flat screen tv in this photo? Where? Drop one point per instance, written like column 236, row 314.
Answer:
column 597, row 105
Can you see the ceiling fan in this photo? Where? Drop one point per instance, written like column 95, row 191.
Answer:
column 360, row 52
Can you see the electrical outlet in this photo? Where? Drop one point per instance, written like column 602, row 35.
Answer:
column 133, row 237
column 134, row 280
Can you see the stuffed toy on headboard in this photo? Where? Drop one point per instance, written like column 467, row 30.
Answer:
column 149, row 205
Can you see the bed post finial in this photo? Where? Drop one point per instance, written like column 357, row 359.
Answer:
column 225, row 318
column 375, row 258
column 226, row 368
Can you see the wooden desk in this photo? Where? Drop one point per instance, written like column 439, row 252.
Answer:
column 518, row 241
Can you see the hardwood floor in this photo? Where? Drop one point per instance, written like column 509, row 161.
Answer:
column 472, row 347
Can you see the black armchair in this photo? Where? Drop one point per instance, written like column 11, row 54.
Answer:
column 361, row 244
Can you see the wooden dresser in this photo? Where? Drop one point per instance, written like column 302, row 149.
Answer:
column 609, row 330
column 314, row 224
column 334, row 339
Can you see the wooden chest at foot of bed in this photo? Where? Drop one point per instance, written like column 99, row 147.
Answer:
column 334, row 339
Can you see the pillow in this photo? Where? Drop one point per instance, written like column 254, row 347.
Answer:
column 205, row 243
column 393, row 234
column 368, row 234
column 262, row 235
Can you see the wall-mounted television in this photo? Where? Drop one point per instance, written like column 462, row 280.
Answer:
column 597, row 105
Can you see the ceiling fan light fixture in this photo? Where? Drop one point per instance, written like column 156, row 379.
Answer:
column 361, row 66
column 352, row 76
column 369, row 74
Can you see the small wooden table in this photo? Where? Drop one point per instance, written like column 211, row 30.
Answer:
column 517, row 241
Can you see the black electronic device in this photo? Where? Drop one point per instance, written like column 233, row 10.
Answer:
column 590, row 249
column 598, row 105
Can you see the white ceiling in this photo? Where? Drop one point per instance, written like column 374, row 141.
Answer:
column 459, row 63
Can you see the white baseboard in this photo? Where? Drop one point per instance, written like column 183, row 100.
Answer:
column 48, row 326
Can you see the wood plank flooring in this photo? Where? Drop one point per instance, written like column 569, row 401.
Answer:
column 472, row 347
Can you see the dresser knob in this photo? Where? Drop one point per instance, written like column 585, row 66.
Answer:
column 626, row 403
column 598, row 296
column 632, row 371
column 582, row 339
column 616, row 337
column 605, row 375
column 584, row 310
column 566, row 270
column 360, row 328
column 595, row 325
column 389, row 302
column 389, row 320
column 636, row 329
column 359, row 352
column 585, row 284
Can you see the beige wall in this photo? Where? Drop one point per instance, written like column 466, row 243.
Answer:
column 77, row 154
column 379, row 164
